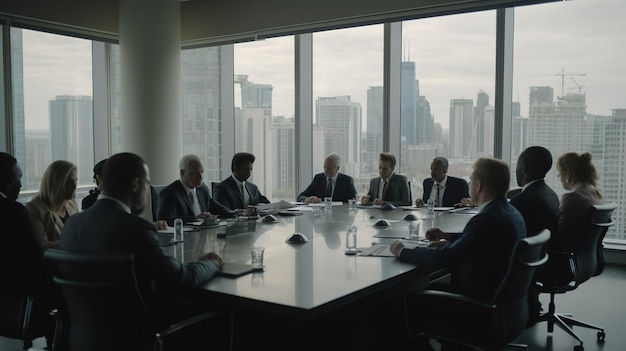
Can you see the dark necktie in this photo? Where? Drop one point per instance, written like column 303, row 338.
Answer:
column 329, row 188
column 438, row 187
column 244, row 194
column 385, row 186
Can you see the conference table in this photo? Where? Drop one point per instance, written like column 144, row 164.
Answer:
column 303, row 282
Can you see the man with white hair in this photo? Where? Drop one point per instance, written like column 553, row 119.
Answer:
column 189, row 198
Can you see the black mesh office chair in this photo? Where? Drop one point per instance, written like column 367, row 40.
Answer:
column 100, row 307
column 576, row 267
column 456, row 319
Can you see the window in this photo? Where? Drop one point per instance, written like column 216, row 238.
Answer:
column 52, row 104
column 347, row 89
column 447, row 79
column 264, row 113
column 570, row 94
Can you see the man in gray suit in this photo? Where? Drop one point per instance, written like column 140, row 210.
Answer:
column 189, row 198
column 389, row 187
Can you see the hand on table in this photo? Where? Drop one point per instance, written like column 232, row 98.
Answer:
column 419, row 202
column 212, row 256
column 160, row 225
column 312, row 200
column 396, row 247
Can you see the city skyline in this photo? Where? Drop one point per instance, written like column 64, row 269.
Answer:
column 586, row 46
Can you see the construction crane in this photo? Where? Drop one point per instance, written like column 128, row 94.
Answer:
column 563, row 74
column 580, row 87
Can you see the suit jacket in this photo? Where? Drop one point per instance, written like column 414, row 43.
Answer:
column 397, row 190
column 106, row 228
column 90, row 199
column 478, row 257
column 21, row 257
column 455, row 190
column 228, row 194
column 47, row 223
column 539, row 205
column 174, row 203
column 344, row 188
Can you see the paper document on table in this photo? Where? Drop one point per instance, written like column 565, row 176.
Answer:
column 368, row 206
column 382, row 249
column 274, row 207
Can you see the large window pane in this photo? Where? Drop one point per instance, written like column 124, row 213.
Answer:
column 447, row 81
column 570, row 87
column 52, row 104
column 347, row 85
column 201, row 107
column 264, row 113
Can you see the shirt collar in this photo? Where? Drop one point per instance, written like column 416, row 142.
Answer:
column 482, row 207
column 530, row 183
column 239, row 183
column 334, row 178
column 123, row 205
column 443, row 182
column 187, row 189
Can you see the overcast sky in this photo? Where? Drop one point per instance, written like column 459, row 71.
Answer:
column 454, row 58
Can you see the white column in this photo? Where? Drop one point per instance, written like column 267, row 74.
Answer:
column 151, row 113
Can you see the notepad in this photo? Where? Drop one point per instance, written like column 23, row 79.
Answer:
column 234, row 269
column 382, row 249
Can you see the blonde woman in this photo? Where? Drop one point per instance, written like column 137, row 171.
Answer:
column 54, row 203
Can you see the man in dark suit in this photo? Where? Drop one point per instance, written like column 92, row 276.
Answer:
column 445, row 190
column 112, row 226
column 389, row 187
column 538, row 204
column 236, row 192
column 188, row 197
column 330, row 183
column 21, row 260
column 479, row 256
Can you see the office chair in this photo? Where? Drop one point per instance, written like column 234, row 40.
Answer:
column 576, row 267
column 455, row 319
column 25, row 317
column 100, row 307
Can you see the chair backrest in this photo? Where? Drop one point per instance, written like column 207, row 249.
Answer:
column 511, row 298
column 588, row 260
column 100, row 305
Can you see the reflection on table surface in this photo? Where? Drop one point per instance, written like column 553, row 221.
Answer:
column 306, row 278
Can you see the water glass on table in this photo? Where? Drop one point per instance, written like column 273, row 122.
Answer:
column 256, row 253
column 351, row 240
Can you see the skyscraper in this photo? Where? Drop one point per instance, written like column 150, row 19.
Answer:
column 482, row 101
column 252, row 128
column 71, row 133
column 374, row 129
column 461, row 129
column 341, row 118
column 408, row 93
column 201, row 110
column 283, row 152
column 17, row 77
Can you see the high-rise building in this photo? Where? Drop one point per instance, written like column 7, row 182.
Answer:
column 201, row 109
column 252, row 128
column 283, row 152
column 482, row 101
column 341, row 120
column 424, row 120
column 559, row 126
column 17, row 80
column 409, row 90
column 71, row 133
column 374, row 139
column 462, row 129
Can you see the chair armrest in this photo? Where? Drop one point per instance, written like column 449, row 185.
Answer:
column 176, row 327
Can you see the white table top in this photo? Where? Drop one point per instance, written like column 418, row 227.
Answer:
column 307, row 279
